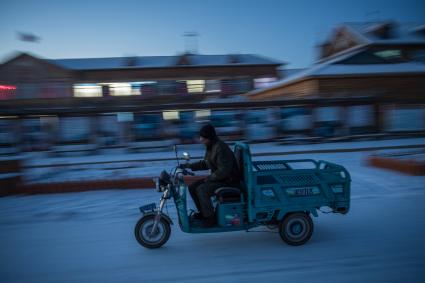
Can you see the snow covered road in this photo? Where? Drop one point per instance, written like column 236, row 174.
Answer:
column 88, row 237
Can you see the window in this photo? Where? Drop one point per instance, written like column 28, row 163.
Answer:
column 7, row 131
column 74, row 129
column 236, row 86
column 203, row 113
column 212, row 86
column 124, row 89
column 170, row 115
column 120, row 89
column 125, row 117
column 390, row 54
column 149, row 88
column 87, row 90
column 195, row 86
column 264, row 82
column 167, row 87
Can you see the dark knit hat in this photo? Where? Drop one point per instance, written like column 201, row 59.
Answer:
column 208, row 132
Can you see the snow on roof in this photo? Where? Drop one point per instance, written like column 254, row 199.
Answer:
column 306, row 72
column 161, row 61
column 291, row 72
column 400, row 33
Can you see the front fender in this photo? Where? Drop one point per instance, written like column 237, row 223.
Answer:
column 165, row 216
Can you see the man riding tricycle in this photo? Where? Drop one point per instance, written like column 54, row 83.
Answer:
column 273, row 194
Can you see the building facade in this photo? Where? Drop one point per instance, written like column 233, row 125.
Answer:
column 27, row 76
column 102, row 87
column 361, row 59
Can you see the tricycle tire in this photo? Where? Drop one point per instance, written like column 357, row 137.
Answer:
column 296, row 228
column 144, row 227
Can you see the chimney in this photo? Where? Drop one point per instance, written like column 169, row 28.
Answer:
column 383, row 30
column 233, row 59
column 191, row 42
column 325, row 49
column 130, row 61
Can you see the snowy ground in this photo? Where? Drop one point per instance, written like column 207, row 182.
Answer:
column 88, row 237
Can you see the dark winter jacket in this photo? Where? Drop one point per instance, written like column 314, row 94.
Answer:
column 219, row 158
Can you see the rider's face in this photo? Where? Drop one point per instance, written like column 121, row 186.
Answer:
column 204, row 141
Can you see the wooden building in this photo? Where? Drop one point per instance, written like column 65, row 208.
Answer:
column 102, row 94
column 27, row 76
column 360, row 60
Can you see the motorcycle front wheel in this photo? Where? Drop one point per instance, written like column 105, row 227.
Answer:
column 152, row 239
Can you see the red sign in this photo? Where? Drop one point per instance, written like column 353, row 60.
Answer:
column 7, row 91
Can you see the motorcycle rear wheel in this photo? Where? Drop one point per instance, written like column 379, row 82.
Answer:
column 296, row 228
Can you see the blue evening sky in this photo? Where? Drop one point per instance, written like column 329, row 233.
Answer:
column 284, row 30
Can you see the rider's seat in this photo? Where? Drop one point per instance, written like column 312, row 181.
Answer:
column 228, row 194
column 232, row 194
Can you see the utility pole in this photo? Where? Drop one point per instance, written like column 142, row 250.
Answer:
column 191, row 42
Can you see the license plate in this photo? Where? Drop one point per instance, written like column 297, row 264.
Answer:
column 147, row 208
column 303, row 192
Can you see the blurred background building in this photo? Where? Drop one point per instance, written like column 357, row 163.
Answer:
column 358, row 60
column 27, row 76
column 369, row 80
column 75, row 101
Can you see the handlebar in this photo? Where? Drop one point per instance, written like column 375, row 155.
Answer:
column 184, row 171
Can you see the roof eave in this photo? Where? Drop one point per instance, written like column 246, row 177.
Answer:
column 177, row 67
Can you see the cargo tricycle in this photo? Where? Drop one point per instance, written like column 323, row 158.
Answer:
column 277, row 194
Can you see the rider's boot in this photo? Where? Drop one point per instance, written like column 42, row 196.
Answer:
column 196, row 216
column 208, row 222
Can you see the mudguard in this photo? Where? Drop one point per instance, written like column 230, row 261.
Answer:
column 311, row 211
column 165, row 216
